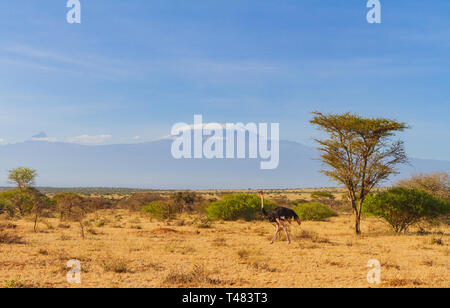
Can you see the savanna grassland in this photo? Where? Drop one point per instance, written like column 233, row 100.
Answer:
column 123, row 248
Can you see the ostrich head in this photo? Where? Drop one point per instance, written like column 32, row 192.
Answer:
column 261, row 193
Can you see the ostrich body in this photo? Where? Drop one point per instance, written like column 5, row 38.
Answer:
column 279, row 216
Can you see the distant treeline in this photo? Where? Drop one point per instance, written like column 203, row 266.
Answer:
column 129, row 191
column 87, row 190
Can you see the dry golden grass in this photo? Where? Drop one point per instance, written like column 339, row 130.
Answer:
column 125, row 249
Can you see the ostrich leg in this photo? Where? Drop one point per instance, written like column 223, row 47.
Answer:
column 287, row 233
column 276, row 233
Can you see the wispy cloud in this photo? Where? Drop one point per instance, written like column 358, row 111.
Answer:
column 83, row 139
column 53, row 60
column 47, row 139
column 86, row 139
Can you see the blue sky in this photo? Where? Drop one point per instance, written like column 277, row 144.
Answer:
column 135, row 68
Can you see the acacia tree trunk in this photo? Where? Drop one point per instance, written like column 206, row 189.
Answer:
column 35, row 222
column 82, row 229
column 358, row 224
column 357, row 217
column 21, row 210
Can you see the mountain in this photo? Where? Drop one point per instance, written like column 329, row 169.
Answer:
column 150, row 165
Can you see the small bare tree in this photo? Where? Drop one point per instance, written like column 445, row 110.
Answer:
column 72, row 207
column 436, row 184
column 40, row 205
column 358, row 153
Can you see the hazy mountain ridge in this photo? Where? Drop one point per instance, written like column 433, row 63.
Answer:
column 150, row 165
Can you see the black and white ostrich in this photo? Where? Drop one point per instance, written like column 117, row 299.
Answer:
column 278, row 216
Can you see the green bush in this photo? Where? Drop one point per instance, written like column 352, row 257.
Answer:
column 25, row 201
column 238, row 206
column 19, row 199
column 6, row 207
column 314, row 211
column 401, row 207
column 160, row 209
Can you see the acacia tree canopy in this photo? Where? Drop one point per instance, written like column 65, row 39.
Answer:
column 22, row 177
column 359, row 153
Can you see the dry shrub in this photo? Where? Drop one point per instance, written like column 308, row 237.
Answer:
column 189, row 201
column 173, row 247
column 137, row 200
column 437, row 241
column 313, row 237
column 179, row 223
column 101, row 223
column 98, row 203
column 14, row 284
column 198, row 276
column 219, row 242
column 387, row 265
column 403, row 282
column 306, row 235
column 164, row 230
column 335, row 263
column 43, row 252
column 65, row 237
column 254, row 259
column 92, row 231
column 243, row 253
column 262, row 265
column 436, row 184
column 119, row 266
column 161, row 209
column 8, row 225
column 202, row 223
column 428, row 262
column 135, row 220
column 10, row 238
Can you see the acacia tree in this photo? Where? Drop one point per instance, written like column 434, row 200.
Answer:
column 359, row 153
column 184, row 200
column 40, row 204
column 72, row 207
column 22, row 177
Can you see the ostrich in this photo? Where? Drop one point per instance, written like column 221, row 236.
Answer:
column 279, row 215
